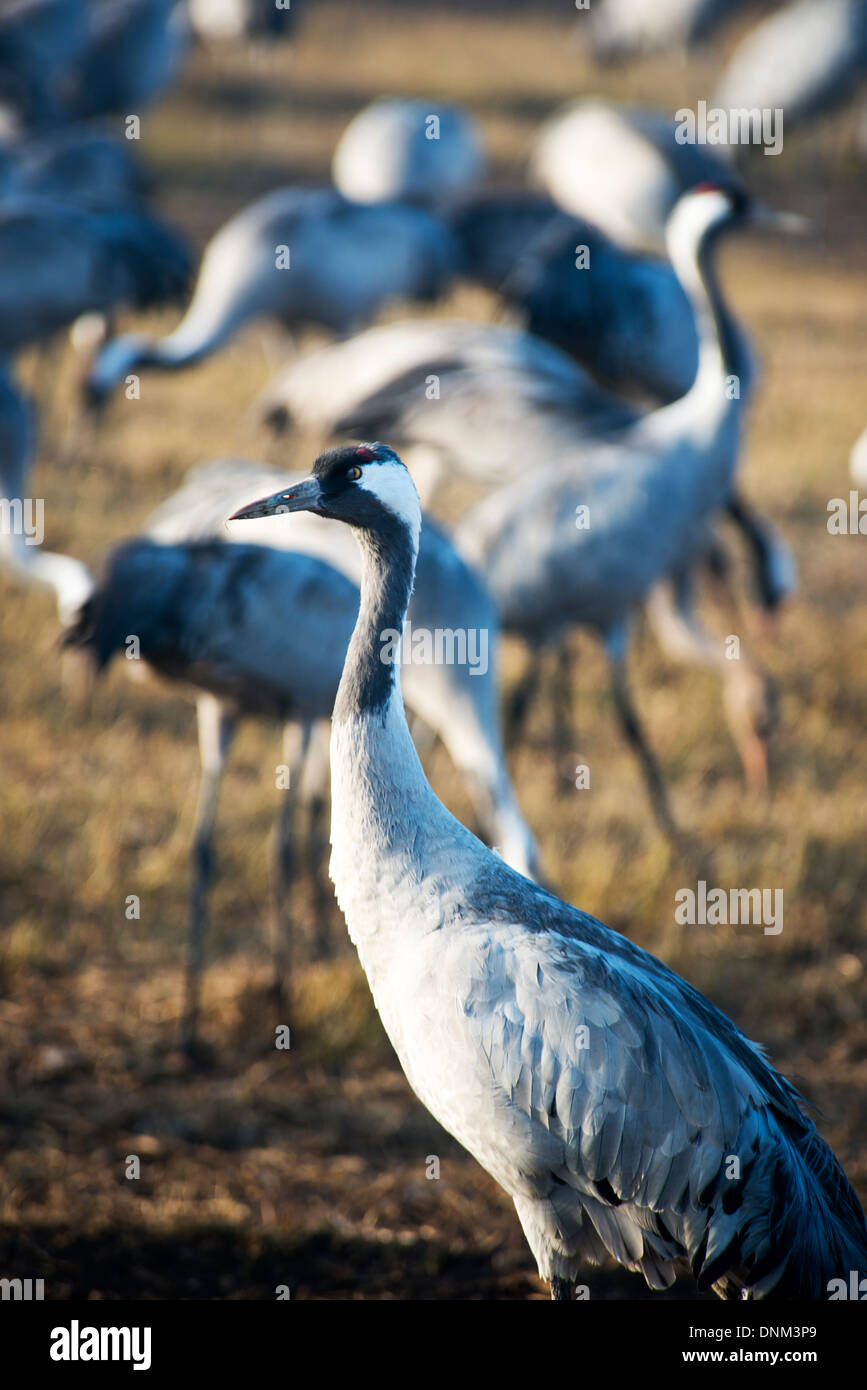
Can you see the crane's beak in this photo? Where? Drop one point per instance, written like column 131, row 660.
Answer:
column 303, row 497
column 790, row 223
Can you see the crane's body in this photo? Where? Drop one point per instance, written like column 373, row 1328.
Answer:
column 298, row 256
column 622, row 168
column 600, row 1090
column 403, row 149
column 110, row 258
column 803, row 60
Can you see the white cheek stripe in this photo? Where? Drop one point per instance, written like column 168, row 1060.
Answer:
column 391, row 484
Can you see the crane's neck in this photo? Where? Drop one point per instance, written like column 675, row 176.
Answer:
column 395, row 849
column 371, row 672
column 722, row 349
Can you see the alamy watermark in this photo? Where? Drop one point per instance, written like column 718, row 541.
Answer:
column 737, row 126
column 716, row 907
column 440, row 646
column 23, row 516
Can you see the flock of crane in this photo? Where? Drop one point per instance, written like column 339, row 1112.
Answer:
column 598, row 428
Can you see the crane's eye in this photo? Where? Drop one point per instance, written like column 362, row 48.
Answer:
column 353, row 473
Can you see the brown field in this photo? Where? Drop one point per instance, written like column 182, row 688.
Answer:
column 307, row 1167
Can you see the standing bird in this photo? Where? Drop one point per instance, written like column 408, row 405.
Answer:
column 622, row 168
column 805, row 60
column 476, row 393
column 404, row 150
column 603, row 525
column 300, row 256
column 597, row 1087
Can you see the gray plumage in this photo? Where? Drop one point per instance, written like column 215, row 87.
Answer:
column 344, row 262
column 602, row 524
column 622, row 168
column 623, row 316
column 806, row 60
column 400, row 148
column 599, row 1089
column 40, row 43
column 110, row 258
column 134, row 51
column 479, row 394
column 80, row 164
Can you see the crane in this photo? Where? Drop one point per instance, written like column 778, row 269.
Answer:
column 622, row 168
column 804, row 60
column 398, row 149
column 299, row 256
column 602, row 526
column 623, row 315
column 135, row 49
column 109, row 258
column 601, row 1091
column 224, row 20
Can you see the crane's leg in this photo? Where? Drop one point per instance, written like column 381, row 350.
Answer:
column 617, row 645
column 217, row 723
column 562, row 1291
column 749, row 696
column 774, row 568
column 520, row 698
column 314, row 784
column 296, row 737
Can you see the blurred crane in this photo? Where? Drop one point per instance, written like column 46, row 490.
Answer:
column 623, row 316
column 458, row 703
column 134, row 51
column 79, row 163
column 601, row 527
column 858, row 461
column 60, row 261
column 406, row 150
column 806, row 60
column 40, row 43
column 300, row 256
column 622, row 168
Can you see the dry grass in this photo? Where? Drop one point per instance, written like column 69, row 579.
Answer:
column 307, row 1167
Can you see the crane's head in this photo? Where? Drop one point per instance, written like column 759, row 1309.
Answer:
column 709, row 208
column 365, row 485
